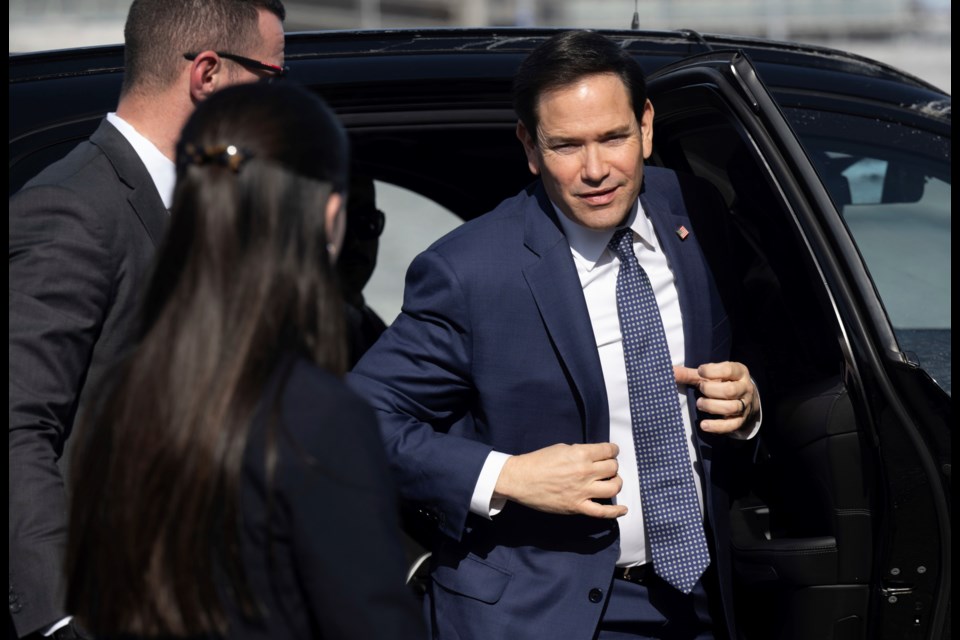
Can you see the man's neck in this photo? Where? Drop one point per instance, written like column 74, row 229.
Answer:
column 159, row 118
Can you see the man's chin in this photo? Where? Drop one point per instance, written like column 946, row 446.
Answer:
column 602, row 218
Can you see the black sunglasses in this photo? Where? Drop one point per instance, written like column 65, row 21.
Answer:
column 276, row 72
column 365, row 224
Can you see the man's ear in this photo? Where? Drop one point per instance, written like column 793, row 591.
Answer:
column 207, row 74
column 646, row 129
column 529, row 148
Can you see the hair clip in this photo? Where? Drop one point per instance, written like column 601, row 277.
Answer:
column 225, row 155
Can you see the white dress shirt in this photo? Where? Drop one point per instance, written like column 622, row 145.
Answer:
column 597, row 267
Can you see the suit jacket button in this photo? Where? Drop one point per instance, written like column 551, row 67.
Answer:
column 596, row 595
column 15, row 607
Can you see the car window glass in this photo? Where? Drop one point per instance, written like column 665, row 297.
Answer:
column 413, row 222
column 891, row 183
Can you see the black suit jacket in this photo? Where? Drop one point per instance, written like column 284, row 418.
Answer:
column 82, row 238
column 321, row 537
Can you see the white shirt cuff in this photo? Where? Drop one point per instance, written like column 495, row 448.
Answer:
column 49, row 631
column 482, row 502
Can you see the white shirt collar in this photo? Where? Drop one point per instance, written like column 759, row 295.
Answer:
column 588, row 245
column 161, row 168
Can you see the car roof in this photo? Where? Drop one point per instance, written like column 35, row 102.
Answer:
column 652, row 48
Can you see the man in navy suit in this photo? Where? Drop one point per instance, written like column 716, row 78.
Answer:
column 502, row 390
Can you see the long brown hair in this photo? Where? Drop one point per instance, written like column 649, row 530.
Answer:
column 243, row 278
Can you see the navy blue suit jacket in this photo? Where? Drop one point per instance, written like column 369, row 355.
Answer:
column 494, row 350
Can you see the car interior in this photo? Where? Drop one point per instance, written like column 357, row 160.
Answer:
column 802, row 529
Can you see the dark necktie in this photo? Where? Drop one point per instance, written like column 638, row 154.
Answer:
column 667, row 492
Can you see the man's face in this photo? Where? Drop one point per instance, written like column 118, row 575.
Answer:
column 589, row 149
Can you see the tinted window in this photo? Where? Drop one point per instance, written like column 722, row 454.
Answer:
column 892, row 185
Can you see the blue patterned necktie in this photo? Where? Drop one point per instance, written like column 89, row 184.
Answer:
column 667, row 492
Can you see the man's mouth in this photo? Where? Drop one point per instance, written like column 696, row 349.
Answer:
column 599, row 197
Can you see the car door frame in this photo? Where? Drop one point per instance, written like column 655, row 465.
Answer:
column 892, row 434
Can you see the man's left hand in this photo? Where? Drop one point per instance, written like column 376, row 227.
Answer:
column 726, row 391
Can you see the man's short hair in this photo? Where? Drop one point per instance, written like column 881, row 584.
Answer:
column 567, row 57
column 159, row 32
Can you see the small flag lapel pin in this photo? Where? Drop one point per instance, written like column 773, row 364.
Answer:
column 682, row 232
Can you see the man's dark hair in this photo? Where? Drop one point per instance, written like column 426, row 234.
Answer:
column 565, row 58
column 158, row 32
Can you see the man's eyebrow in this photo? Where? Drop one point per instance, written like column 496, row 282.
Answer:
column 554, row 140
column 617, row 131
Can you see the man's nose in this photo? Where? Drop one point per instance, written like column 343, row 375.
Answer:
column 595, row 166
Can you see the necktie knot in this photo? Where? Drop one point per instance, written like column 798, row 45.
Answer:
column 622, row 244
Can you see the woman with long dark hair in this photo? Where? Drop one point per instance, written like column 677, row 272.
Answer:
column 227, row 483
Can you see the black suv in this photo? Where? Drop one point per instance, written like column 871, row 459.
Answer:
column 836, row 174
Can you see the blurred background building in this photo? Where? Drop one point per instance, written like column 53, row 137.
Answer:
column 913, row 35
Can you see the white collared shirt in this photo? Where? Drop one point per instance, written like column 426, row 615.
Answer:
column 162, row 170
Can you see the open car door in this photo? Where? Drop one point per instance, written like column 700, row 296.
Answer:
column 841, row 527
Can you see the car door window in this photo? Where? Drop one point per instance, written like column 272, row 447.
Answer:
column 413, row 222
column 891, row 183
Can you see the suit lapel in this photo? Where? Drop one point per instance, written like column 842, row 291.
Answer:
column 143, row 196
column 553, row 281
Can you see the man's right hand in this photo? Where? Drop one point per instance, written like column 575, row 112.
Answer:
column 564, row 479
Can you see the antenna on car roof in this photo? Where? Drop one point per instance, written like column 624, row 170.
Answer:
column 695, row 35
column 635, row 23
